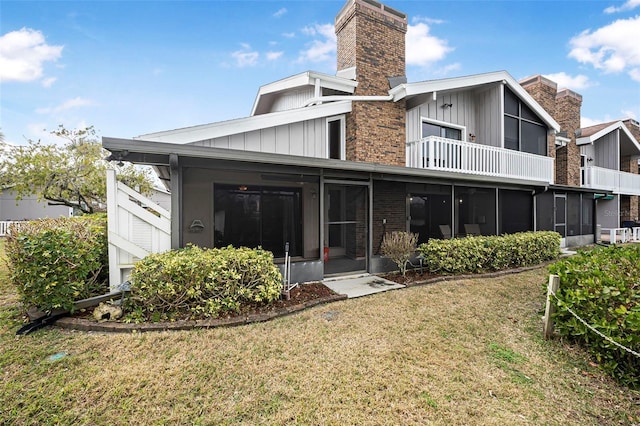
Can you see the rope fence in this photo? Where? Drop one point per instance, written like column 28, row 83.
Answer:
column 554, row 281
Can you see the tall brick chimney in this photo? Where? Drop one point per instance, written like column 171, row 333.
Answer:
column 371, row 38
column 568, row 104
column 564, row 106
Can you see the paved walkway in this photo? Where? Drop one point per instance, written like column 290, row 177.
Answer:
column 360, row 285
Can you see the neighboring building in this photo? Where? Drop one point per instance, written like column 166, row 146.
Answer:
column 28, row 208
column 330, row 163
column 603, row 157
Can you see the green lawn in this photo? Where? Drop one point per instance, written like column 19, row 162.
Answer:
column 459, row 352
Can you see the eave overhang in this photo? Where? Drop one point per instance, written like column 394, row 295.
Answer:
column 305, row 79
column 226, row 128
column 157, row 154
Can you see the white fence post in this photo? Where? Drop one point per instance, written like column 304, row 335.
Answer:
column 547, row 321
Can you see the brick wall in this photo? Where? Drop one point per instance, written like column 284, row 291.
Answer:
column 390, row 201
column 371, row 37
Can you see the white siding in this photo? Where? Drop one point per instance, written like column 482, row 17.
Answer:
column 307, row 138
column 292, row 99
column 488, row 113
column 606, row 151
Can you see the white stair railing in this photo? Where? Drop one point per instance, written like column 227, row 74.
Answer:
column 136, row 227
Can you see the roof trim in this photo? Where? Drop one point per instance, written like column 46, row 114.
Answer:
column 242, row 125
column 413, row 89
column 307, row 78
column 148, row 148
column 614, row 126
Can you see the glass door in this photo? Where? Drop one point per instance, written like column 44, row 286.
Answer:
column 346, row 228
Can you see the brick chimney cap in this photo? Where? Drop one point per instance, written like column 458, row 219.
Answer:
column 374, row 5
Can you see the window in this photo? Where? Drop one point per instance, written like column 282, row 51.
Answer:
column 335, row 138
column 475, row 209
column 252, row 216
column 523, row 130
column 430, row 213
column 436, row 129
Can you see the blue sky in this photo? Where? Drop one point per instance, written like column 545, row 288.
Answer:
column 135, row 67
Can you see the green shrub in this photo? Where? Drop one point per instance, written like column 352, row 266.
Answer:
column 399, row 247
column 602, row 286
column 200, row 283
column 490, row 253
column 54, row 262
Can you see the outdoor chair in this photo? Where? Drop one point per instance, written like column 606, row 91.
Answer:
column 472, row 229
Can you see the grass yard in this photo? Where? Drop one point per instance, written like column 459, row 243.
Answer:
column 459, row 352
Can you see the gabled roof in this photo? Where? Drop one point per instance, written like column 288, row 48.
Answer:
column 248, row 124
column 628, row 144
column 409, row 90
column 268, row 92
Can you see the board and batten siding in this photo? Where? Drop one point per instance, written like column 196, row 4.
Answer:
column 292, row 100
column 483, row 122
column 606, row 151
column 306, row 138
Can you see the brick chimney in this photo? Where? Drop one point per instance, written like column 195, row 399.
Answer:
column 564, row 106
column 371, row 38
column 568, row 104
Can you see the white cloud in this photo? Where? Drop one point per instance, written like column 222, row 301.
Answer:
column 245, row 57
column 448, row 69
column 429, row 21
column 612, row 48
column 23, row 53
column 76, row 102
column 628, row 113
column 322, row 49
column 566, row 81
column 422, row 48
column 288, row 35
column 629, row 5
column 280, row 12
column 48, row 82
column 272, row 56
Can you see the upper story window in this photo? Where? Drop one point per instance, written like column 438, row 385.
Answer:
column 441, row 130
column 335, row 138
column 523, row 130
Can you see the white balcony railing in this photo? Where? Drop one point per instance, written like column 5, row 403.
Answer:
column 436, row 153
column 610, row 180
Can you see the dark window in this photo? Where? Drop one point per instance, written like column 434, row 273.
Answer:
column 431, row 213
column 476, row 208
column 574, row 208
column 430, row 129
column 335, row 140
column 516, row 211
column 252, row 216
column 511, row 133
column 544, row 212
column 523, row 130
column 587, row 214
column 534, row 138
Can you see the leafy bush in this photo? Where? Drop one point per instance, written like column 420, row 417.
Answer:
column 399, row 247
column 602, row 286
column 199, row 283
column 54, row 262
column 489, row 253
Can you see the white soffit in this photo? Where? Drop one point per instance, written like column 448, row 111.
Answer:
column 308, row 78
column 225, row 128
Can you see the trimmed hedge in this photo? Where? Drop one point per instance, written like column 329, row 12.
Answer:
column 54, row 262
column 602, row 286
column 195, row 282
column 490, row 253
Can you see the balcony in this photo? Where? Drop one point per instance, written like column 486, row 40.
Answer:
column 436, row 153
column 610, row 180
